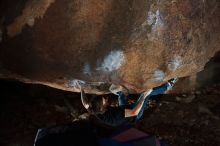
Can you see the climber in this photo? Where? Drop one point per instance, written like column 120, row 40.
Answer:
column 123, row 114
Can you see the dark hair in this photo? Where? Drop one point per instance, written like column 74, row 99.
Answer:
column 95, row 104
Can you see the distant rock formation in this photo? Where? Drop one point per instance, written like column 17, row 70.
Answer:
column 138, row 44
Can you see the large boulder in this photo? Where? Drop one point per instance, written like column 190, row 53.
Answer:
column 138, row 44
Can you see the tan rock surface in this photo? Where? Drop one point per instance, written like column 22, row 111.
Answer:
column 138, row 44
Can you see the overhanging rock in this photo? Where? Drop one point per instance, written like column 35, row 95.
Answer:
column 138, row 44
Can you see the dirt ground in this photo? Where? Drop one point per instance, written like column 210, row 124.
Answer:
column 185, row 119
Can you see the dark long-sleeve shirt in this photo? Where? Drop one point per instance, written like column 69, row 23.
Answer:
column 114, row 116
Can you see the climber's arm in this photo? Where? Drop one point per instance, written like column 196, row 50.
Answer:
column 84, row 99
column 137, row 108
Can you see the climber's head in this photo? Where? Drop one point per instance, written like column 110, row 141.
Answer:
column 99, row 104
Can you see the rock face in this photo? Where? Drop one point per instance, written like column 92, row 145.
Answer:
column 138, row 44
